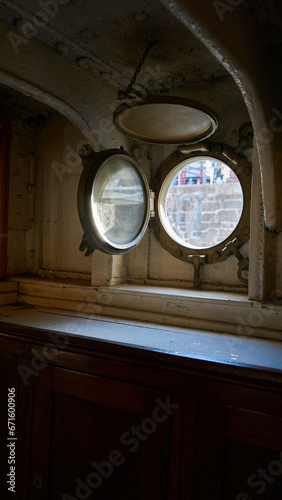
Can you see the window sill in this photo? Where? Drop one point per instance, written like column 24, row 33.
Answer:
column 188, row 344
column 227, row 313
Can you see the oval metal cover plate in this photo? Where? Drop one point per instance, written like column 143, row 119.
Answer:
column 166, row 120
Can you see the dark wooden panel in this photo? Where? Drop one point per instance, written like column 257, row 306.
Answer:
column 86, row 433
column 251, row 472
column 209, row 451
column 253, row 456
column 237, row 453
column 188, row 432
column 81, row 420
column 252, row 427
column 98, row 389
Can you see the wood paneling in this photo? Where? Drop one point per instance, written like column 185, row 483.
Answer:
column 100, row 420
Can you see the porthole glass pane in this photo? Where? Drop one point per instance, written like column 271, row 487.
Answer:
column 118, row 201
column 201, row 202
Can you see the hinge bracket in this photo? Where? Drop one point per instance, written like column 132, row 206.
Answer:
column 152, row 203
column 243, row 265
column 85, row 245
column 197, row 260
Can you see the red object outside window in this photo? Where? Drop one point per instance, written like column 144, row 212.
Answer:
column 182, row 177
column 5, row 147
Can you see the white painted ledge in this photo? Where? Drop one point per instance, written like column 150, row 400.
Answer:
column 205, row 310
column 220, row 348
column 202, row 310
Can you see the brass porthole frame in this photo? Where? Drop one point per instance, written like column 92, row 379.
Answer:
column 242, row 168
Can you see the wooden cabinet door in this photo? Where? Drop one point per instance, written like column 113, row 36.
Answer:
column 15, row 427
column 95, row 437
column 238, row 454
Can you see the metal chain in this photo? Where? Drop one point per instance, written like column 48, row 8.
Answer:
column 138, row 68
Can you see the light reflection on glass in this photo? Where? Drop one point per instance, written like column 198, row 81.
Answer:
column 118, row 201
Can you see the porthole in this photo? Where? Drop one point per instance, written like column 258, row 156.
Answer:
column 202, row 201
column 113, row 204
